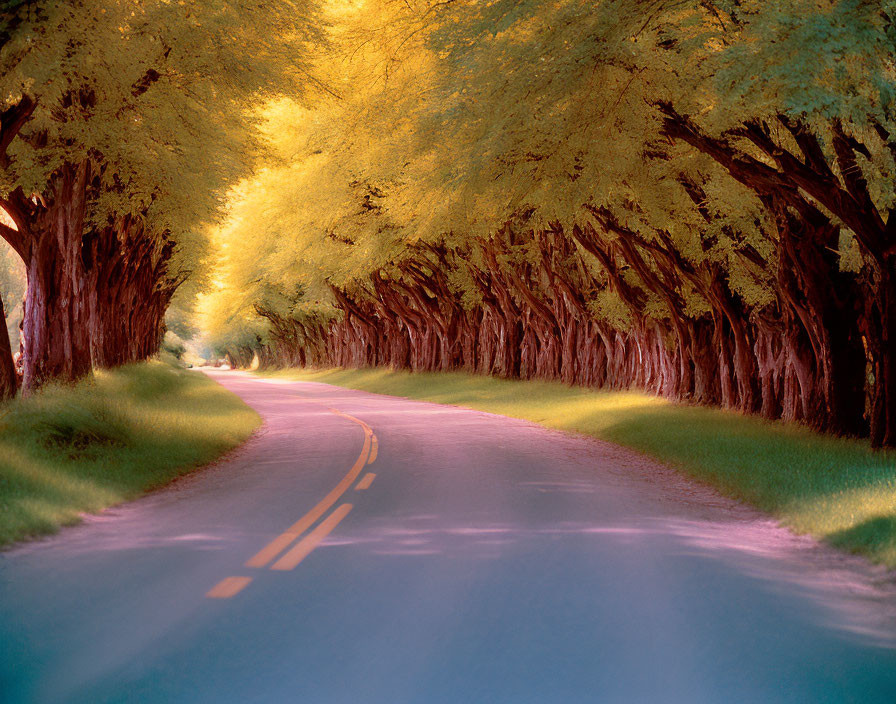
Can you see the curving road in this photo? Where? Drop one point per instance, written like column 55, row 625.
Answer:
column 366, row 549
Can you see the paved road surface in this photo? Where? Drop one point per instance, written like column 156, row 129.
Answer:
column 488, row 560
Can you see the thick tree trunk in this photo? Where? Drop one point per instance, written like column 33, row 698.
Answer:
column 8, row 381
column 880, row 334
column 127, row 288
column 55, row 324
column 824, row 304
column 94, row 298
column 800, row 358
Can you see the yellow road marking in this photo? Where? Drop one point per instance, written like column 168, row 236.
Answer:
column 367, row 429
column 272, row 549
column 227, row 587
column 365, row 482
column 373, row 450
column 278, row 544
column 312, row 540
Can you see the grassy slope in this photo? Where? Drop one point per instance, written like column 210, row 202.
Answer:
column 109, row 438
column 839, row 490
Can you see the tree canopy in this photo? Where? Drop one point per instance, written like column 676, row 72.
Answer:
column 694, row 197
column 710, row 180
column 124, row 127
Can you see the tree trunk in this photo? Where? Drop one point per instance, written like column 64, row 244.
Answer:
column 55, row 325
column 880, row 334
column 8, row 382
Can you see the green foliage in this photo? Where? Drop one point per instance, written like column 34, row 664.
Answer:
column 11, row 12
column 180, row 314
column 173, row 345
column 161, row 98
column 474, row 126
column 461, row 116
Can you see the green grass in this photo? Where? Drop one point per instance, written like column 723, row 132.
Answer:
column 838, row 490
column 75, row 449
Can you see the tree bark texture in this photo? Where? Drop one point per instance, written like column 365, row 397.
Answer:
column 95, row 297
column 800, row 359
column 8, row 381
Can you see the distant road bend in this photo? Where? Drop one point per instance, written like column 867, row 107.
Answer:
column 364, row 549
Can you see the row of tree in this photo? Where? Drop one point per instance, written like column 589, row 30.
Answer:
column 695, row 198
column 121, row 127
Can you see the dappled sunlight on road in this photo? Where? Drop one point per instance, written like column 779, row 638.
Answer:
column 579, row 487
column 855, row 597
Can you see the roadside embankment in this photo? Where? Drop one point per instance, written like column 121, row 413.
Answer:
column 835, row 489
column 111, row 437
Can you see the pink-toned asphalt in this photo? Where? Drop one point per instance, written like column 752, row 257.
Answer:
column 489, row 561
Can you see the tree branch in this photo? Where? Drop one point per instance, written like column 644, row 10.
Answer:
column 11, row 121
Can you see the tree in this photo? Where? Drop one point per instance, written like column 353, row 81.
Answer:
column 123, row 130
column 653, row 194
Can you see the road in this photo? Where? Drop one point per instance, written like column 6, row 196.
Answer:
column 487, row 560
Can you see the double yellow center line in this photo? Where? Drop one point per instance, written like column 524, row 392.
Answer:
column 230, row 586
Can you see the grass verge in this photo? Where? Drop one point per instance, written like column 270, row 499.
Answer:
column 837, row 490
column 109, row 438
